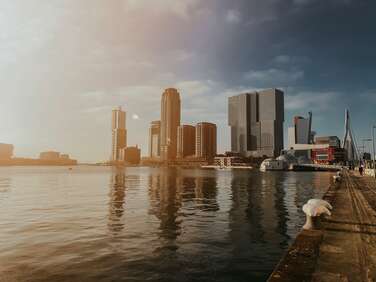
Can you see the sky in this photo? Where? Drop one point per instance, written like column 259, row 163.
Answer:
column 65, row 64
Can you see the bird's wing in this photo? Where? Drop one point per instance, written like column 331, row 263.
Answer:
column 322, row 210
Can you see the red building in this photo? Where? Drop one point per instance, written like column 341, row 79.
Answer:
column 329, row 155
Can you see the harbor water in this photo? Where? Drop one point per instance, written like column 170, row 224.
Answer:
column 149, row 224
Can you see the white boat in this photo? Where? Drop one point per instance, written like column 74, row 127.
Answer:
column 272, row 164
column 226, row 167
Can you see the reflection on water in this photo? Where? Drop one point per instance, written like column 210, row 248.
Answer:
column 4, row 184
column 137, row 224
column 116, row 203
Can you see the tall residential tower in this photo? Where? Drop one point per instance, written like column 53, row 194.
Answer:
column 206, row 140
column 186, row 141
column 170, row 121
column 119, row 135
column 256, row 121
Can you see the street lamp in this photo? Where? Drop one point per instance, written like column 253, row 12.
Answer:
column 373, row 149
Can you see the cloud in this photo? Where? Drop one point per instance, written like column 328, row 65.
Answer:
column 302, row 2
column 292, row 60
column 310, row 2
column 233, row 16
column 273, row 77
column 183, row 55
column 96, row 110
column 282, row 59
column 369, row 95
column 262, row 20
column 195, row 87
column 135, row 117
column 316, row 101
column 180, row 8
column 20, row 36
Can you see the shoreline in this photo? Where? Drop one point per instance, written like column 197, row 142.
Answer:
column 336, row 249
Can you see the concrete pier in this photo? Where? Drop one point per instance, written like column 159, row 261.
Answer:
column 343, row 248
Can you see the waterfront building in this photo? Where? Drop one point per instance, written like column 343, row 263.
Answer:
column 332, row 141
column 206, row 140
column 119, row 134
column 325, row 150
column 45, row 158
column 332, row 153
column 49, row 155
column 300, row 132
column 256, row 121
column 230, row 159
column 6, row 151
column 170, row 121
column 186, row 141
column 154, row 139
column 132, row 155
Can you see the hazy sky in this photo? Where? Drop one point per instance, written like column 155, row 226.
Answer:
column 64, row 64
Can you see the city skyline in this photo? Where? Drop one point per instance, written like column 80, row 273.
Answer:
column 64, row 65
column 171, row 107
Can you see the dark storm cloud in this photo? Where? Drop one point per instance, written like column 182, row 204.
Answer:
column 313, row 49
column 337, row 38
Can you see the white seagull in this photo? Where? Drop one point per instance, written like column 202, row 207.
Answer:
column 318, row 202
column 314, row 210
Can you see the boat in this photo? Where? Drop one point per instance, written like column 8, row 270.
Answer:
column 272, row 164
column 218, row 167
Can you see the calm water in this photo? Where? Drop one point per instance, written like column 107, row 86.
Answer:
column 145, row 224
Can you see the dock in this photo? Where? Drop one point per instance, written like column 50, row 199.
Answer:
column 315, row 167
column 343, row 247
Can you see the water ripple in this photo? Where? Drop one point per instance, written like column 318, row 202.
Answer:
column 148, row 224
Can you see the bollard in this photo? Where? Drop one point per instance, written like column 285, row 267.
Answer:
column 315, row 208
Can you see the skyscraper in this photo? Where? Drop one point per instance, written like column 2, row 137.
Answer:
column 206, row 140
column 119, row 134
column 300, row 132
column 154, row 139
column 256, row 121
column 186, row 141
column 170, row 121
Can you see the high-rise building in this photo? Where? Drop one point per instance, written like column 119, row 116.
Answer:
column 206, row 140
column 186, row 141
column 256, row 121
column 119, row 134
column 170, row 121
column 154, row 139
column 300, row 132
